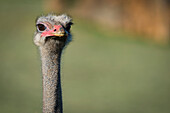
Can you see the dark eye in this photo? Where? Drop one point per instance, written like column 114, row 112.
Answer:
column 68, row 26
column 40, row 27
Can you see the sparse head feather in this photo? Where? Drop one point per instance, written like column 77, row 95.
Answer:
column 63, row 19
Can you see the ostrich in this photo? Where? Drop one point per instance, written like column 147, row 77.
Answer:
column 51, row 36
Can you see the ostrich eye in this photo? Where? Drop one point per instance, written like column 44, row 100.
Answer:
column 68, row 26
column 41, row 27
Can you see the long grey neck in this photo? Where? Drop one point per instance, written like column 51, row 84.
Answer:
column 52, row 93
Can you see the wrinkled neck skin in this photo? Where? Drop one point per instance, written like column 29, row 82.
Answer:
column 52, row 93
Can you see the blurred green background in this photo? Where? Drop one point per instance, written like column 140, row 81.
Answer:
column 103, row 70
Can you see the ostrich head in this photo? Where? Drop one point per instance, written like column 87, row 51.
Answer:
column 53, row 29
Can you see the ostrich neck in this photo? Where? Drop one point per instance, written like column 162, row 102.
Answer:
column 52, row 93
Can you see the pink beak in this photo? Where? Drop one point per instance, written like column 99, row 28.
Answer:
column 58, row 30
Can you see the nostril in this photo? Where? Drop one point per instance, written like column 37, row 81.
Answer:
column 55, row 30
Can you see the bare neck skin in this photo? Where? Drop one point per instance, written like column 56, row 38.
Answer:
column 52, row 93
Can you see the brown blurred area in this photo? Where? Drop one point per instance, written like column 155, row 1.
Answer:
column 150, row 18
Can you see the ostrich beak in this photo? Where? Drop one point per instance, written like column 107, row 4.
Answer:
column 57, row 34
column 58, row 31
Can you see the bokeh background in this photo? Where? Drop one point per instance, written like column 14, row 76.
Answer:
column 118, row 62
